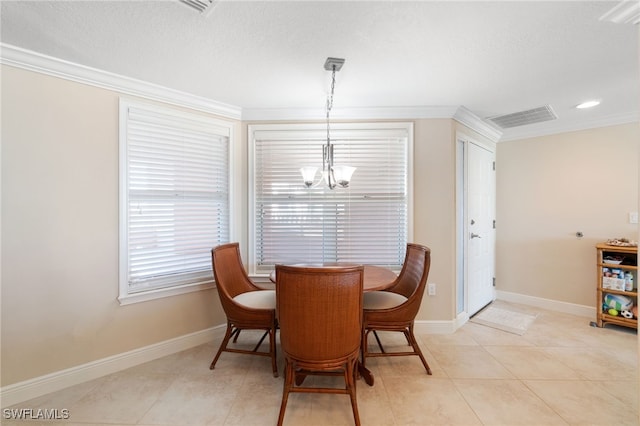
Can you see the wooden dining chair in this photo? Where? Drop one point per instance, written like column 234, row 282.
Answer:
column 320, row 317
column 395, row 308
column 247, row 306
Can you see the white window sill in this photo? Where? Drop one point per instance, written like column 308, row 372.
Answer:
column 145, row 296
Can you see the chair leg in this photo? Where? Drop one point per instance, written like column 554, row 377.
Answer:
column 235, row 334
column 378, row 340
column 261, row 340
column 299, row 378
column 406, row 335
column 411, row 340
column 289, row 373
column 414, row 343
column 223, row 345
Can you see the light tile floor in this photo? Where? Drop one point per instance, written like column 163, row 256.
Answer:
column 560, row 372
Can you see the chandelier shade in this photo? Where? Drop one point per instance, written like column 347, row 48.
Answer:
column 308, row 175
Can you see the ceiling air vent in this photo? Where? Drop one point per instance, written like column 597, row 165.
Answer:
column 200, row 5
column 530, row 116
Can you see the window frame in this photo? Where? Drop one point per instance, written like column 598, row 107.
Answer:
column 277, row 130
column 227, row 129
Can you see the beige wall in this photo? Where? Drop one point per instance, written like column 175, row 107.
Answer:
column 549, row 188
column 434, row 213
column 60, row 235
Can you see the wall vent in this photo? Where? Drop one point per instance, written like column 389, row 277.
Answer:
column 521, row 118
column 200, row 5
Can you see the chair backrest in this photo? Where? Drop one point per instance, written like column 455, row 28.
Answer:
column 412, row 279
column 229, row 273
column 319, row 311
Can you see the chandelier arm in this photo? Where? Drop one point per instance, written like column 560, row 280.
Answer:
column 332, row 180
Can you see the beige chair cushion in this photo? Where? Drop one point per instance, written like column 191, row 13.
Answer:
column 263, row 299
column 382, row 300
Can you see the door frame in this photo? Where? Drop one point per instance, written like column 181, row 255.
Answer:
column 461, row 292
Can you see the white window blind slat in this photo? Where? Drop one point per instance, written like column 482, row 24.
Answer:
column 177, row 196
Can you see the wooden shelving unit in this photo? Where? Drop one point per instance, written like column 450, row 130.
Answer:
column 629, row 264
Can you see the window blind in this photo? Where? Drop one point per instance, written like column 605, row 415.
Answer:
column 366, row 223
column 176, row 196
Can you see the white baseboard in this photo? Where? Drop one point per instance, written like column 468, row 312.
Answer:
column 38, row 386
column 461, row 319
column 447, row 327
column 548, row 304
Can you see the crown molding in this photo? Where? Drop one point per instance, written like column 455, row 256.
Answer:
column 33, row 61
column 472, row 121
column 283, row 114
column 363, row 113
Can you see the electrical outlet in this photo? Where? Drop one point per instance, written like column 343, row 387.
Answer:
column 633, row 217
column 431, row 289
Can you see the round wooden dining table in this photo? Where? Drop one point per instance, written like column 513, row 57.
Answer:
column 374, row 278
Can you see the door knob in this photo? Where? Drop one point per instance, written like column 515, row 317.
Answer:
column 475, row 235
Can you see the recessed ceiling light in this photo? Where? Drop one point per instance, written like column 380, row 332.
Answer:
column 588, row 104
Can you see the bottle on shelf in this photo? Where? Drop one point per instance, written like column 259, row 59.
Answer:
column 628, row 281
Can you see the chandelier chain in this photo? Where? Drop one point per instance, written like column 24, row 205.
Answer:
column 330, row 98
column 328, row 150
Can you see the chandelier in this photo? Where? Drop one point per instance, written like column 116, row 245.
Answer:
column 333, row 175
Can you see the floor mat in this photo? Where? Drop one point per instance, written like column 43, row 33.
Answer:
column 504, row 319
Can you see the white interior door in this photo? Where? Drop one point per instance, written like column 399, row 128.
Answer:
column 479, row 226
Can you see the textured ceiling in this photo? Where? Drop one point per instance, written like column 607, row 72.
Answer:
column 493, row 58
